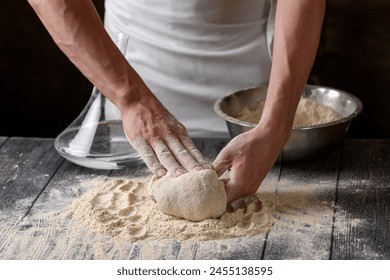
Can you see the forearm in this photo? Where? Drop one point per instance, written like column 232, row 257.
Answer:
column 296, row 38
column 78, row 31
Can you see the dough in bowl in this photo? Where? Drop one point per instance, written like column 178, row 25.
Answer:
column 195, row 196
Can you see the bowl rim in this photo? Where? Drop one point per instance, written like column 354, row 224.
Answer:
column 354, row 114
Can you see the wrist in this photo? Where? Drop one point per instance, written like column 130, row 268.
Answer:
column 279, row 131
column 279, row 110
column 129, row 92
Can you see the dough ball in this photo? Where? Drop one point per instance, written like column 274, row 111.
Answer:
column 195, row 196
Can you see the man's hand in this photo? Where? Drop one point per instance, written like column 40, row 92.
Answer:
column 249, row 156
column 160, row 139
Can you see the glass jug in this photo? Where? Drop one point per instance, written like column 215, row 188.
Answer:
column 95, row 139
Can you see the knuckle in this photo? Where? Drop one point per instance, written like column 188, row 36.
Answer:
column 174, row 166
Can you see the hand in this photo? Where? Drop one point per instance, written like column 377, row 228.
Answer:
column 249, row 156
column 160, row 139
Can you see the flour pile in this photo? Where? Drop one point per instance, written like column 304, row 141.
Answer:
column 123, row 209
column 308, row 113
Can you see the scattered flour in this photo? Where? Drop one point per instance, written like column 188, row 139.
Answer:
column 122, row 208
column 308, row 113
column 94, row 219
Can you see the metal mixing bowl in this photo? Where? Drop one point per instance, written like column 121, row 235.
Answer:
column 305, row 142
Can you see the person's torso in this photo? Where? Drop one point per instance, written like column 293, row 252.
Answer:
column 191, row 52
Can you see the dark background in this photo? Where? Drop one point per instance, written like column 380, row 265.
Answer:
column 42, row 92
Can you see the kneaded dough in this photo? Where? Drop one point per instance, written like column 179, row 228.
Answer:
column 195, row 196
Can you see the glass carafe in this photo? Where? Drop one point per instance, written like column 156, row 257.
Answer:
column 95, row 139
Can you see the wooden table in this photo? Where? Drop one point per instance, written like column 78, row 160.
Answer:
column 352, row 183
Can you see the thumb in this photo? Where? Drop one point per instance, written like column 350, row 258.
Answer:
column 232, row 191
column 221, row 163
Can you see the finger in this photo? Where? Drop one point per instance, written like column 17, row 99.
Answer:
column 194, row 152
column 167, row 159
column 149, row 157
column 232, row 191
column 221, row 163
column 182, row 155
column 233, row 188
column 237, row 188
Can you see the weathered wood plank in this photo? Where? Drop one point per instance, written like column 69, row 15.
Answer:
column 303, row 220
column 362, row 227
column 37, row 237
column 26, row 166
column 304, row 214
column 2, row 140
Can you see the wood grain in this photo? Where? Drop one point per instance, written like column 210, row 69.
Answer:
column 306, row 193
column 2, row 140
column 334, row 207
column 362, row 227
column 69, row 182
column 27, row 165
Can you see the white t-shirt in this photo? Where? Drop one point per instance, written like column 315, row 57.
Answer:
column 192, row 52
